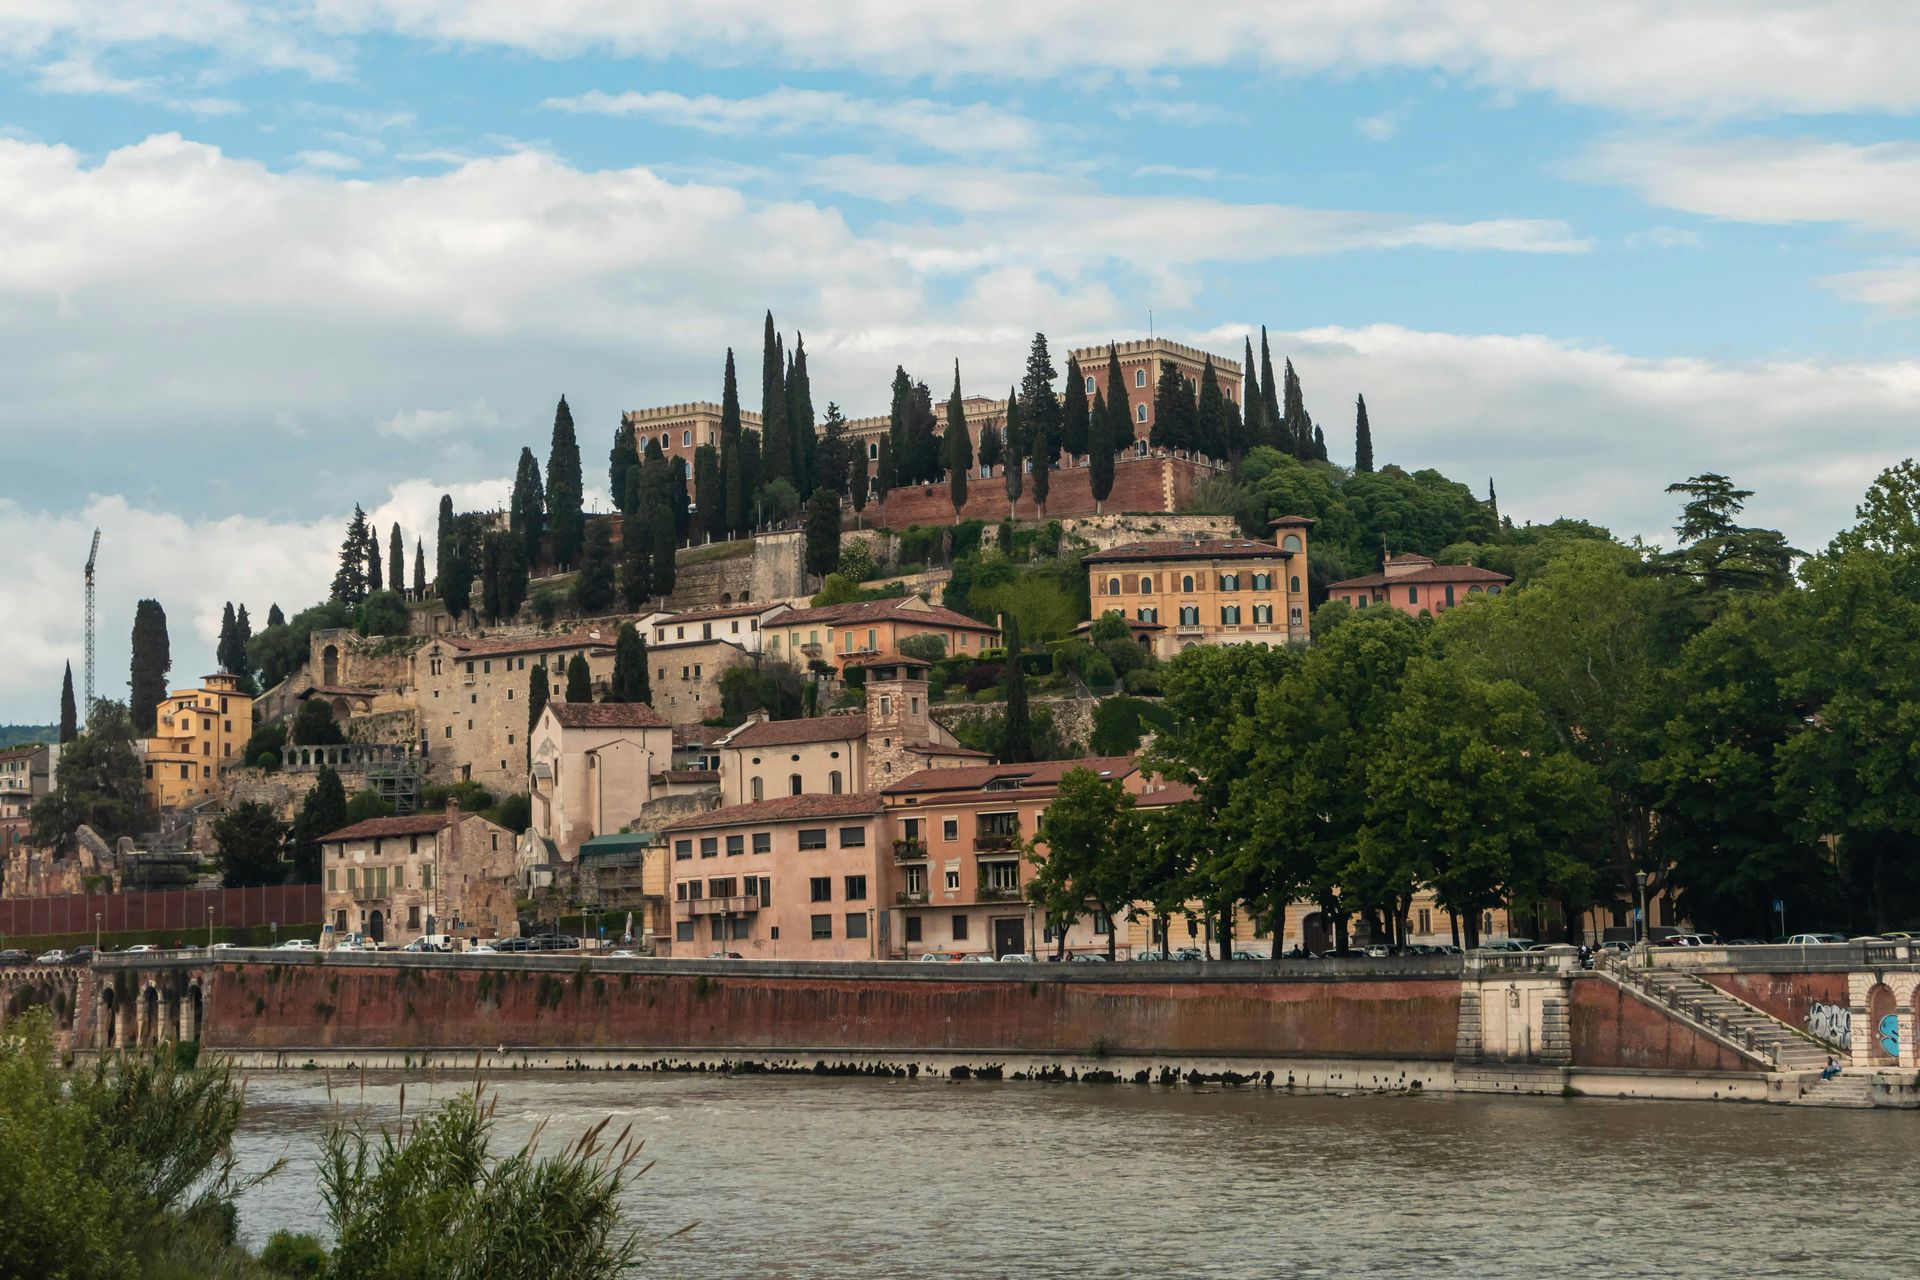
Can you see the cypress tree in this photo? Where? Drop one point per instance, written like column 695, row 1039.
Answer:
column 490, row 567
column 831, row 457
column 223, row 647
column 454, row 574
column 1075, row 417
column 622, row 458
column 1040, row 412
column 630, row 683
column 1210, row 425
column 419, row 570
column 894, row 453
column 443, row 540
column 1298, row 428
column 959, row 446
column 665, row 544
column 1279, row 422
column 152, row 659
column 275, row 618
column 1319, row 444
column 1363, row 438
column 323, row 812
column 537, row 695
column 883, row 467
column 679, row 501
column 929, row 451
column 823, row 532
column 527, row 510
column 1236, row 434
column 636, row 558
column 733, row 471
column 800, row 417
column 396, row 560
column 69, row 714
column 564, row 515
column 750, row 482
column 709, row 495
column 593, row 591
column 857, row 482
column 1493, row 502
column 1165, row 432
column 371, row 549
column 776, row 446
column 579, row 680
column 1017, row 747
column 1254, row 427
column 1120, row 433
column 350, row 579
column 1043, row 481
column 1012, row 445
column 1099, row 449
column 991, row 450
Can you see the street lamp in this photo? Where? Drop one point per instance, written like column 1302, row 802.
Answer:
column 96, row 931
column 209, row 929
column 1640, row 878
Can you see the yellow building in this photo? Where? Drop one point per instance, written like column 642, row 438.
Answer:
column 197, row 733
column 1208, row 590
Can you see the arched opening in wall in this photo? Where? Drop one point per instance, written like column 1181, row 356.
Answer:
column 25, row 998
column 194, row 1011
column 341, row 710
column 330, row 665
column 1883, row 1023
column 833, row 783
column 726, row 597
column 377, row 927
column 1290, row 543
column 1315, row 934
column 149, row 1016
column 109, row 1022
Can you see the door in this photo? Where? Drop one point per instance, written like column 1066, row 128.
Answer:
column 377, row 927
column 1009, row 937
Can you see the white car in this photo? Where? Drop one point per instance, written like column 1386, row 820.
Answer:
column 140, row 949
column 297, row 944
column 623, row 955
column 55, row 956
column 482, row 950
column 223, row 946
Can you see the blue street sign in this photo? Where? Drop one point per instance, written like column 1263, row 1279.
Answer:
column 1779, row 904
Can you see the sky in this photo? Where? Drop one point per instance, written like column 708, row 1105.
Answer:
column 262, row 262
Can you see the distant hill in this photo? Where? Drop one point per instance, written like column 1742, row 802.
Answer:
column 13, row 735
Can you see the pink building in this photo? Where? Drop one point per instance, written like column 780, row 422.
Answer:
column 1415, row 585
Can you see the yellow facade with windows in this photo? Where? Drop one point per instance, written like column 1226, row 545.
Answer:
column 197, row 733
column 1208, row 591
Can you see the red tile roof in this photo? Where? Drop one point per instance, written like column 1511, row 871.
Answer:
column 607, row 715
column 1279, row 522
column 1172, row 793
column 1431, row 573
column 1044, row 773
column 788, row 733
column 418, row 824
column 1219, row 549
column 688, row 775
column 861, row 804
column 892, row 609
column 945, row 749
column 708, row 615
column 694, row 735
column 482, row 647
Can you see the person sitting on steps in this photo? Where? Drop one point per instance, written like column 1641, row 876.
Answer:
column 1832, row 1068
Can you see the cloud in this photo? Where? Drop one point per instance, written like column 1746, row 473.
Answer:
column 79, row 74
column 1664, row 238
column 1383, row 125
column 1165, row 111
column 972, row 128
column 335, row 161
column 1175, row 171
column 425, row 424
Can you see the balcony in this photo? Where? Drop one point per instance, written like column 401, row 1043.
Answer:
column 812, row 650
column 911, row 898
column 367, row 893
column 998, row 893
column 1189, row 629
column 997, row 842
column 738, row 905
column 909, row 851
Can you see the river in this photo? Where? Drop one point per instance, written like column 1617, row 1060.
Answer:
column 806, row 1177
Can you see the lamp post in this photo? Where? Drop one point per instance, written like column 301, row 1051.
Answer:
column 1640, row 878
column 209, row 930
column 96, row 931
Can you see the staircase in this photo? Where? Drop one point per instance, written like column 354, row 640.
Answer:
column 1733, row 1019
column 1843, row 1090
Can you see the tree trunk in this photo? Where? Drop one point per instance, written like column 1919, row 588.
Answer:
column 1226, row 932
column 1113, row 932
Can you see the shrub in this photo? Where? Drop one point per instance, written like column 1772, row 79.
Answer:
column 297, row 1255
column 547, row 603
column 362, row 805
column 383, row 613
column 857, row 562
column 926, row 648
column 1098, row 672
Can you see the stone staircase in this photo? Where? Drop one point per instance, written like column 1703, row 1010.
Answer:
column 1731, row 1019
column 1844, row 1090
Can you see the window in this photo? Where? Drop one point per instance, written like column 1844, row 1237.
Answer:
column 682, row 850
column 686, row 438
column 1263, row 582
column 736, row 845
column 763, row 842
column 1229, row 582
column 1413, row 595
column 950, row 829
column 813, row 837
column 1296, row 584
column 426, row 877
column 1002, row 875
column 1230, row 615
column 1186, row 583
column 717, row 929
column 856, row 924
column 1140, row 413
column 1139, row 377
column 856, row 888
column 683, row 931
column 1290, row 543
column 822, row 927
column 400, row 876
column 1494, row 590
column 916, row 881
column 886, row 705
column 959, row 928
column 1263, row 615
column 953, row 881
column 1101, row 924
column 353, row 877
column 1090, row 385
column 757, row 789
column 1113, row 586
column 722, row 887
column 1146, row 615
column 709, row 846
column 794, row 785
column 913, row 928
column 331, row 886
column 1449, row 593
column 1189, row 615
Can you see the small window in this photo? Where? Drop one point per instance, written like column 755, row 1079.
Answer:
column 813, row 837
column 709, row 846
column 686, row 438
column 953, row 882
column 1139, row 413
column 913, row 928
column 856, row 888
column 833, row 783
column 794, row 784
column 1090, row 385
column 1296, row 584
column 822, row 927
column 763, row 842
column 1113, row 586
column 1186, row 583
column 950, row 829
column 856, row 924
column 1146, row 586
column 1413, row 595
column 853, row 837
column 820, row 889
column 873, row 450
column 736, row 845
column 1139, row 377
column 959, row 928
column 757, row 789
column 683, row 931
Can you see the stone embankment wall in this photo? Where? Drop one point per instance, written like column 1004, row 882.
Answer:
column 1140, row 484
column 1612, row 1027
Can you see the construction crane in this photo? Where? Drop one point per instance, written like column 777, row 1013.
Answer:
column 92, row 555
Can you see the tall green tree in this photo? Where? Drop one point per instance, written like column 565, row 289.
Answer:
column 443, row 540
column 636, row 557
column 665, row 550
column 504, row 575
column 1119, row 433
column 709, row 492
column 1075, row 415
column 565, row 492
column 833, row 456
column 152, row 659
column 1210, row 416
column 593, row 591
column 1013, row 443
column 376, row 576
column 1040, row 410
column 275, row 618
column 1362, row 436
column 959, row 446
column 579, row 680
column 776, row 441
column 733, row 468
column 527, row 509
column 1091, row 854
column 1256, row 428
column 223, row 647
column 1298, row 426
column 250, row 839
column 350, row 579
column 823, row 532
column 538, row 694
column 883, row 467
column 631, row 683
column 858, row 483
column 991, row 449
column 458, row 561
column 419, row 570
column 1717, row 554
column 894, row 450
column 100, row 784
column 323, row 812
column 621, row 459
column 1275, row 406
column 1018, row 744
column 1173, row 411
column 69, row 714
column 800, row 426
column 396, row 561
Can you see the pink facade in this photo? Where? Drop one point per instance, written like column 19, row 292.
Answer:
column 1415, row 585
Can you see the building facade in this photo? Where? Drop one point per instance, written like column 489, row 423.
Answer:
column 680, row 429
column 392, row 880
column 471, row 699
column 593, row 768
column 740, row 625
column 1208, row 590
column 1415, row 585
column 841, row 633
column 1141, row 363
column 197, row 733
column 26, row 774
column 686, row 676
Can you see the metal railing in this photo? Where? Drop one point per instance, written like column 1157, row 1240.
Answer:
column 1693, row 1008
column 909, row 851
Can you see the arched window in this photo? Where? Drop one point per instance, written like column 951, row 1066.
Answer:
column 1090, row 385
column 1290, row 543
column 1473, row 591
column 794, row 785
column 1139, row 413
column 1186, row 583
column 1296, row 583
column 1146, row 586
column 757, row 789
column 686, row 438
column 833, row 783
column 1113, row 586
column 873, row 450
column 1139, row 377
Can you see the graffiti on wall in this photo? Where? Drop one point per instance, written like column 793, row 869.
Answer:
column 1889, row 1030
column 1830, row 1022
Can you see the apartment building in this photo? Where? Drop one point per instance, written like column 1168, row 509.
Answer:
column 470, row 695
column 1208, row 590
column 394, row 879
column 197, row 733
column 841, row 633
column 1414, row 585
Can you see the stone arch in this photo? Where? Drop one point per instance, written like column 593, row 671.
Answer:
column 1290, row 543
column 726, row 597
column 1883, row 1025
column 108, row 1017
column 194, row 1011
column 330, row 665
column 149, row 1016
column 340, row 709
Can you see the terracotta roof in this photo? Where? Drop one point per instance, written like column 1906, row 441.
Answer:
column 883, row 660
column 695, row 735
column 1172, row 793
column 859, row 804
column 1043, row 773
column 708, row 615
column 925, row 747
column 480, row 647
column 606, row 715
column 891, row 609
column 688, row 775
column 1133, row 623
column 418, row 824
column 1216, row 549
column 788, row 733
column 1279, row 522
column 1432, row 573
column 337, row 691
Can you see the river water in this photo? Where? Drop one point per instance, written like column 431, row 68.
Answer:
column 806, row 1177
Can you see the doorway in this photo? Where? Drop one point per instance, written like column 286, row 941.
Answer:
column 377, row 927
column 1009, row 937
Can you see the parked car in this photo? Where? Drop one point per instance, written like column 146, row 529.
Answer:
column 1154, row 956
column 623, row 954
column 140, row 949
column 1507, row 944
column 11, row 956
column 1087, row 957
column 1250, row 955
column 1016, row 957
column 976, row 958
column 298, row 944
column 419, row 945
column 223, row 946
column 1189, row 953
column 723, row 955
column 56, row 956
column 1815, row 939
column 504, row 945
column 555, row 942
column 81, row 955
column 934, row 957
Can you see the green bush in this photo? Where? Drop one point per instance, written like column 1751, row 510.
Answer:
column 1120, row 722
column 362, row 805
column 473, row 797
column 383, row 613
column 857, row 562
column 297, row 1255
column 1098, row 672
column 547, row 603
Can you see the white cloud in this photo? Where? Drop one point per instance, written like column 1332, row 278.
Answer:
column 333, row 161
column 972, row 128
column 1175, row 171
column 426, row 424
column 1664, row 238
column 1170, row 111
column 80, row 74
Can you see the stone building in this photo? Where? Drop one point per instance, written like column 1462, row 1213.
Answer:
column 26, row 774
column 686, row 676
column 739, row 624
column 1141, row 362
column 680, row 429
column 392, row 880
column 838, row 634
column 1415, row 585
column 593, row 770
column 197, row 733
column 471, row 695
column 1208, row 590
